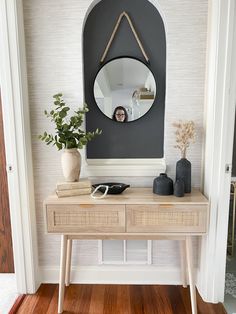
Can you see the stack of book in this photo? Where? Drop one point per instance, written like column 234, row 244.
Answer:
column 81, row 187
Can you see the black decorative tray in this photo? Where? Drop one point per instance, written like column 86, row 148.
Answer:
column 114, row 187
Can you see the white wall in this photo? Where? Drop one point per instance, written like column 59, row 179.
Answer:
column 53, row 32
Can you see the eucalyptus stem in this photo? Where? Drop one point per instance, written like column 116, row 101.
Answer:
column 67, row 130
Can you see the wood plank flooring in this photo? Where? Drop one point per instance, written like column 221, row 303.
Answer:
column 116, row 299
column 6, row 252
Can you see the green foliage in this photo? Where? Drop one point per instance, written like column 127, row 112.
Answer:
column 67, row 129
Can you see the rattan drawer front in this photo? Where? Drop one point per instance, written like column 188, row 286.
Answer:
column 85, row 218
column 167, row 218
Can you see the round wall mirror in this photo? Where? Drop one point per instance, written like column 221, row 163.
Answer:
column 124, row 89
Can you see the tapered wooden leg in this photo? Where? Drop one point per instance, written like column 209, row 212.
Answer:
column 191, row 274
column 183, row 263
column 68, row 261
column 62, row 273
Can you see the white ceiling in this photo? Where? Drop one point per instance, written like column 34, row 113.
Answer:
column 125, row 73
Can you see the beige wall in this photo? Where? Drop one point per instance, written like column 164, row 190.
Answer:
column 53, row 32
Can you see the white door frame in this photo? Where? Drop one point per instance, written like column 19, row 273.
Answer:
column 18, row 145
column 219, row 126
column 218, row 145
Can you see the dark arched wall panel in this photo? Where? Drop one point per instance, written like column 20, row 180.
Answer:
column 142, row 138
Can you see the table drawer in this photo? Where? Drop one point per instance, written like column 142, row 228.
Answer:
column 85, row 218
column 167, row 218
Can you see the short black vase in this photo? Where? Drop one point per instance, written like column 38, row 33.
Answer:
column 183, row 172
column 163, row 185
column 179, row 188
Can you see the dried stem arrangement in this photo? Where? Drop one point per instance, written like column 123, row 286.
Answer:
column 185, row 134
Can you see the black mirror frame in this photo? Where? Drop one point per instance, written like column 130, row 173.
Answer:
column 147, row 64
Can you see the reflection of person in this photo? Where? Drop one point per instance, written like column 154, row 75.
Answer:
column 120, row 114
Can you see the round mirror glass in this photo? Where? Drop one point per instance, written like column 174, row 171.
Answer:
column 124, row 89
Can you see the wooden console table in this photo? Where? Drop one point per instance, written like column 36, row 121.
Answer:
column 137, row 213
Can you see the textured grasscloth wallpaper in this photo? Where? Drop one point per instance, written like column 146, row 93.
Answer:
column 53, row 32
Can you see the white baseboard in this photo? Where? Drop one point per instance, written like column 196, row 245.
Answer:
column 106, row 274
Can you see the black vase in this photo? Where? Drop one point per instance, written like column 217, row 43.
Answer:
column 163, row 185
column 183, row 172
column 179, row 188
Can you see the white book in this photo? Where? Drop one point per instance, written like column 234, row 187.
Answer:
column 73, row 192
column 81, row 184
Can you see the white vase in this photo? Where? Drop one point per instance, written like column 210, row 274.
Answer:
column 71, row 164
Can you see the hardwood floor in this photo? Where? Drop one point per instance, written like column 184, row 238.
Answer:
column 116, row 299
column 6, row 252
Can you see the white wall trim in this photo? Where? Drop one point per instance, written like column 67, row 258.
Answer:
column 104, row 274
column 18, row 144
column 219, row 124
column 124, row 167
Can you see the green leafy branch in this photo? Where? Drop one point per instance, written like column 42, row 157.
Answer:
column 68, row 133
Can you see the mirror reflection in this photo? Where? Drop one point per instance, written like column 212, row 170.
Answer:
column 124, row 89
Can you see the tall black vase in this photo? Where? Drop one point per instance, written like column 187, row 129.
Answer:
column 183, row 172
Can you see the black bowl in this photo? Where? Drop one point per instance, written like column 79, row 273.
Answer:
column 114, row 188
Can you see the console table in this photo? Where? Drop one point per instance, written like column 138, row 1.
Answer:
column 137, row 213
